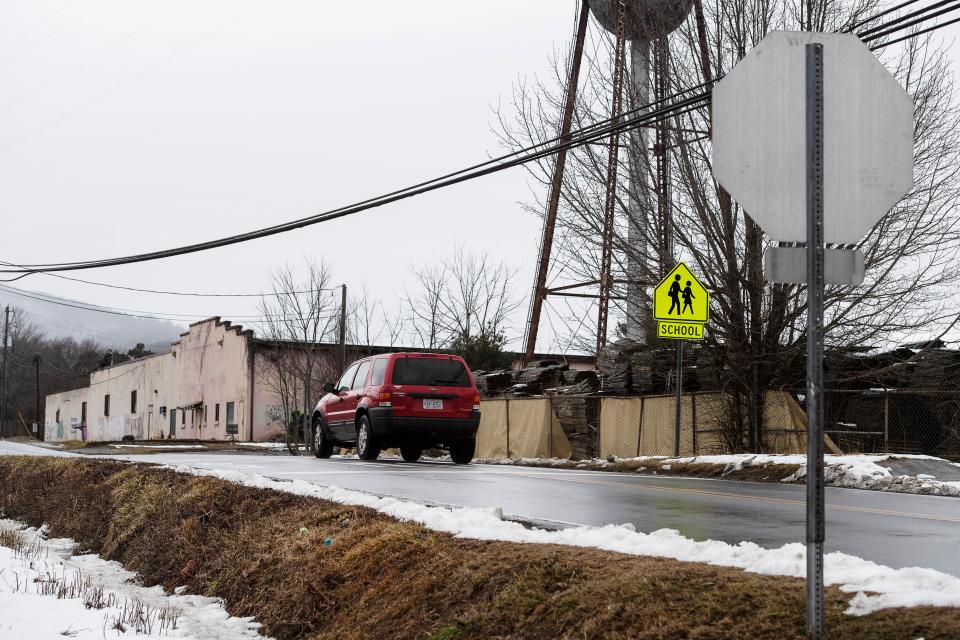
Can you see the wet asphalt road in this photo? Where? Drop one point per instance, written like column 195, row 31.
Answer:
column 897, row 530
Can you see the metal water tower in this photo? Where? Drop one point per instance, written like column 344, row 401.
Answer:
column 641, row 23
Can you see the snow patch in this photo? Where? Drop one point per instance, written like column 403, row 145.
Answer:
column 48, row 566
column 876, row 586
column 157, row 446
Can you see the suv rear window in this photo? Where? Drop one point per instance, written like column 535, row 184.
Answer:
column 430, row 372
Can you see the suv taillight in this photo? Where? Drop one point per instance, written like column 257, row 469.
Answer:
column 385, row 398
column 476, row 402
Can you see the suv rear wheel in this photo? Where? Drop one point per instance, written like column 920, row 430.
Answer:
column 322, row 447
column 411, row 453
column 461, row 452
column 367, row 448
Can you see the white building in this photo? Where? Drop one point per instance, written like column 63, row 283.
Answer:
column 204, row 388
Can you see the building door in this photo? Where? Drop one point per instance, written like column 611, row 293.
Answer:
column 173, row 422
column 149, row 420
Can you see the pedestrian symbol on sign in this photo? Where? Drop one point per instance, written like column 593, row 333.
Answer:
column 681, row 298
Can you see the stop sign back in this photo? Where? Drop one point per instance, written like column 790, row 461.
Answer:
column 759, row 152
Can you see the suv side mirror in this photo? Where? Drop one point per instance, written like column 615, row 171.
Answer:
column 329, row 388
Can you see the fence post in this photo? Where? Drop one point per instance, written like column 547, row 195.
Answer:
column 640, row 426
column 550, row 427
column 596, row 444
column 693, row 425
column 886, row 421
column 508, row 427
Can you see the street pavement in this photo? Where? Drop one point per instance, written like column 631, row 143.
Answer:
column 897, row 530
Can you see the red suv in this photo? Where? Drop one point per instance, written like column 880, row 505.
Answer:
column 412, row 401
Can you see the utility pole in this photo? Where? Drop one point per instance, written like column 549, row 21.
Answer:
column 343, row 328
column 36, row 364
column 3, row 394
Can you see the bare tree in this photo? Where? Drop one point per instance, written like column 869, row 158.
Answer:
column 363, row 322
column 64, row 364
column 297, row 317
column 757, row 329
column 424, row 307
column 466, row 296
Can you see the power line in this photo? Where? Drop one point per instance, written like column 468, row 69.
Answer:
column 877, row 32
column 131, row 313
column 532, row 153
column 535, row 152
column 877, row 16
column 915, row 34
column 160, row 292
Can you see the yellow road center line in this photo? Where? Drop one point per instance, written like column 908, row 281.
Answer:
column 723, row 494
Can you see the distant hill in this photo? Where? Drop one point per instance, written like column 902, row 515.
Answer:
column 108, row 329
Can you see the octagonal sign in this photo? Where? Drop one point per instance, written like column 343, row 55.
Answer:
column 759, row 136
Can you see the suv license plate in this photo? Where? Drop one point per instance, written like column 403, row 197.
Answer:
column 432, row 404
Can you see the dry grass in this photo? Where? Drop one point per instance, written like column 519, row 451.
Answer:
column 264, row 553
column 12, row 539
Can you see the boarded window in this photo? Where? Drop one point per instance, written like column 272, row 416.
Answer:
column 106, row 405
column 216, row 412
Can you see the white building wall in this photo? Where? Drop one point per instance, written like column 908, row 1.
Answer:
column 177, row 393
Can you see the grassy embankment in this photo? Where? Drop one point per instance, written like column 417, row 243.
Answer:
column 263, row 552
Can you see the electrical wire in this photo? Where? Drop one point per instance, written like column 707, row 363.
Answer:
column 916, row 33
column 901, row 27
column 877, row 16
column 904, row 17
column 166, row 293
column 535, row 152
column 145, row 315
column 532, row 153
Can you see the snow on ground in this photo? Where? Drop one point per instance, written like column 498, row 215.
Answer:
column 10, row 448
column 46, row 592
column 264, row 445
column 875, row 586
column 157, row 446
column 849, row 471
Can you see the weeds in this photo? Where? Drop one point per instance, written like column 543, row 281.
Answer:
column 262, row 552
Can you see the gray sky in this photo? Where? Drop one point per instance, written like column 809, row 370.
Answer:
column 128, row 126
column 134, row 125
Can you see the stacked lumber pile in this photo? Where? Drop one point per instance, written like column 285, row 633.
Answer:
column 629, row 368
column 579, row 417
column 537, row 378
column 493, row 383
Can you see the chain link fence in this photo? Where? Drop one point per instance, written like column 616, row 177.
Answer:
column 914, row 421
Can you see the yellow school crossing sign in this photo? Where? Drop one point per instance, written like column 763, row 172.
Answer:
column 681, row 305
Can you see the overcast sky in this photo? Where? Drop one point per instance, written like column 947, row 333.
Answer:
column 132, row 125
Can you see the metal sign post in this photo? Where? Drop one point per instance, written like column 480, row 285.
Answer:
column 676, row 427
column 815, row 494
